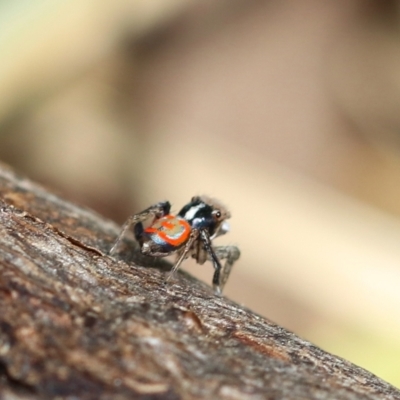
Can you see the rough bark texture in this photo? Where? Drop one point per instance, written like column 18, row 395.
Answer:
column 77, row 324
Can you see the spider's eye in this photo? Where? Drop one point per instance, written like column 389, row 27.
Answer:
column 217, row 214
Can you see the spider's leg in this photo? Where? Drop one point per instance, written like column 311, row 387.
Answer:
column 194, row 234
column 155, row 211
column 217, row 284
column 230, row 254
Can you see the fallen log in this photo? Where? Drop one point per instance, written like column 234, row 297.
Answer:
column 76, row 323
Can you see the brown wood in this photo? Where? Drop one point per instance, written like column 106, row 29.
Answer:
column 75, row 323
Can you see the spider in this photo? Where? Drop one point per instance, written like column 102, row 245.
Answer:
column 190, row 232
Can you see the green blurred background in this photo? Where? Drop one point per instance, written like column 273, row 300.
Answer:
column 286, row 110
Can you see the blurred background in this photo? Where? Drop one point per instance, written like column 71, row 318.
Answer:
column 288, row 111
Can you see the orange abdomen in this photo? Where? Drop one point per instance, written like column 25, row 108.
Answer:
column 169, row 230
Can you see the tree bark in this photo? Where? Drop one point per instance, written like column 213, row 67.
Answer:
column 78, row 324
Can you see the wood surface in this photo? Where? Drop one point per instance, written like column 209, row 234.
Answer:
column 78, row 324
